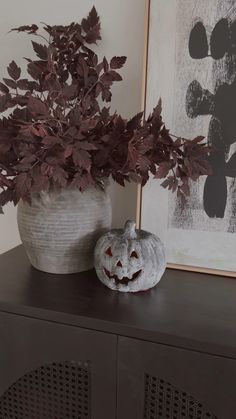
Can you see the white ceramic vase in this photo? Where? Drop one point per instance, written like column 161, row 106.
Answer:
column 59, row 230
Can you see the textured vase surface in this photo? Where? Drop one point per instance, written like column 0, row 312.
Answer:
column 59, row 230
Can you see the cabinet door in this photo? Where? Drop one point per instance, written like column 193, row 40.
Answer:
column 157, row 381
column 54, row 371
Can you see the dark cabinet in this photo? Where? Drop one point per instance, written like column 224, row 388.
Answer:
column 55, row 371
column 72, row 349
column 156, row 381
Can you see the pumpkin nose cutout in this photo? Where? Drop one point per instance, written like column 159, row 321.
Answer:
column 119, row 264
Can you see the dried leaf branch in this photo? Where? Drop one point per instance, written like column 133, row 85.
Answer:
column 58, row 135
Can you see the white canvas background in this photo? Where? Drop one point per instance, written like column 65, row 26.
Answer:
column 202, row 242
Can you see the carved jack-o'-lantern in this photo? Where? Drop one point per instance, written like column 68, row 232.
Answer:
column 129, row 260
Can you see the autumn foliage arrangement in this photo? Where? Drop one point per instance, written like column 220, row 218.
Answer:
column 58, row 131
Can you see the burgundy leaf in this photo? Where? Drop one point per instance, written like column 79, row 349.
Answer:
column 185, row 188
column 4, row 181
column 106, row 95
column 37, row 107
column 5, row 197
column 158, row 109
column 28, row 160
column 197, row 140
column 68, row 151
column 115, row 76
column 14, row 71
column 163, row 170
column 29, row 29
column 82, row 181
column 70, row 91
column 5, row 146
column 23, row 184
column 91, row 20
column 98, row 89
column 64, row 76
column 105, row 113
column 47, row 169
column 106, row 79
column 93, row 35
column 55, row 159
column 117, row 62
column 72, row 131
column 135, row 122
column 174, row 184
column 36, row 69
column 4, row 102
column 91, row 26
column 105, row 65
column 178, row 142
column 41, row 50
column 23, row 84
column 3, row 88
column 143, row 164
column 119, row 178
column 60, row 177
column 85, row 145
column 33, row 85
column 88, row 124
column 40, row 182
column 10, row 83
column 37, row 131
column 20, row 100
column 50, row 140
column 82, row 159
column 166, row 183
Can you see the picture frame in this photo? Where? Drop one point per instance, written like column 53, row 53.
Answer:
column 142, row 193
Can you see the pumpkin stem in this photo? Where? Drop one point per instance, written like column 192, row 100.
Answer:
column 129, row 229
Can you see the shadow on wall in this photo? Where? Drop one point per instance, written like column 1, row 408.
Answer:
column 9, row 236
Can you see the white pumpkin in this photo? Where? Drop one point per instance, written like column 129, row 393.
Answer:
column 129, row 259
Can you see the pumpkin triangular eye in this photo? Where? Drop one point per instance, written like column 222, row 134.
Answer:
column 134, row 255
column 109, row 252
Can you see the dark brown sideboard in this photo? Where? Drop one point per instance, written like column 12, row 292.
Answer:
column 71, row 348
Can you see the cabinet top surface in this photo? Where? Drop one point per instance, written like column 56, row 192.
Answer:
column 190, row 310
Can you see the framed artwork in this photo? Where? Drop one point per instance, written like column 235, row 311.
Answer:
column 191, row 64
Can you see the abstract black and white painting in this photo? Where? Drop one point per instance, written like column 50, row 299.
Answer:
column 192, row 67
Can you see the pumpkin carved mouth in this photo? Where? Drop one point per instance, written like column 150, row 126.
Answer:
column 125, row 280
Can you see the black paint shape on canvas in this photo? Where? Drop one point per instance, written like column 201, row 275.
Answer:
column 216, row 140
column 215, row 196
column 198, row 100
column 198, row 45
column 230, row 169
column 221, row 105
column 221, row 134
column 220, row 39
